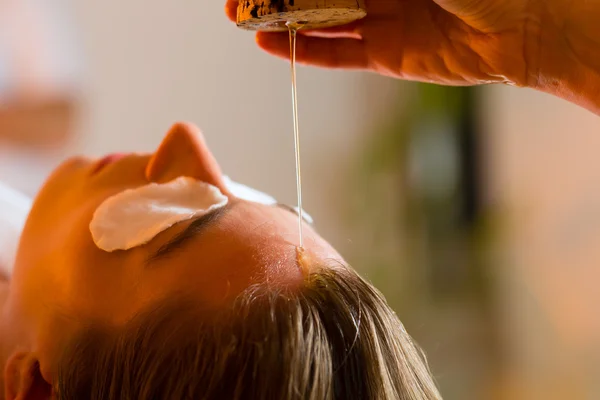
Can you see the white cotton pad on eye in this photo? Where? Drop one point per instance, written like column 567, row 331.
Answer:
column 135, row 216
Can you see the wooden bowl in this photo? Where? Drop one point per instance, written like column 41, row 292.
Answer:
column 272, row 15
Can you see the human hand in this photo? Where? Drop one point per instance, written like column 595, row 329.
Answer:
column 452, row 42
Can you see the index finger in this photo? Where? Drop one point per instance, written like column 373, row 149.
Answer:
column 231, row 10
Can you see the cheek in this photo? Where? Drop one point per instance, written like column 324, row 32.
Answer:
column 75, row 278
column 57, row 198
column 54, row 243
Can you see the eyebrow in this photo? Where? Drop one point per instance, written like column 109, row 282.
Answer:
column 196, row 228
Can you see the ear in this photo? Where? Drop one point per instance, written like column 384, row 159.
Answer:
column 23, row 379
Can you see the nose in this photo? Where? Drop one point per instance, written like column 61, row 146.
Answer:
column 183, row 152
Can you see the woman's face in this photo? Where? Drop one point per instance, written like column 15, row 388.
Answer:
column 63, row 281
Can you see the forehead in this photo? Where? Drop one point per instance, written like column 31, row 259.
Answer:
column 251, row 243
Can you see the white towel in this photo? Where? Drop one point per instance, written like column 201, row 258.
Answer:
column 14, row 208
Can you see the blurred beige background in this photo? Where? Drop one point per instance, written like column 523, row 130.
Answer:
column 544, row 174
column 148, row 64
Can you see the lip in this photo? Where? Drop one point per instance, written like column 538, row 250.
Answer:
column 107, row 160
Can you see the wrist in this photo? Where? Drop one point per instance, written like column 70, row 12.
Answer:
column 566, row 61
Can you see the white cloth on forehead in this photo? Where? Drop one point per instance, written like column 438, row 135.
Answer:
column 250, row 194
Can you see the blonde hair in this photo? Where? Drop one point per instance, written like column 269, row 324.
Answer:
column 334, row 338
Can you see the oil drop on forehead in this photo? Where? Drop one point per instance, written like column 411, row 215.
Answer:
column 293, row 28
